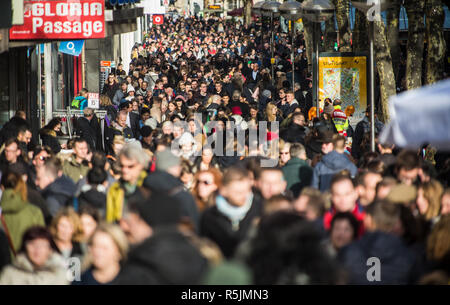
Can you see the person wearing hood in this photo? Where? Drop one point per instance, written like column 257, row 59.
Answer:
column 333, row 161
column 130, row 93
column 17, row 214
column 228, row 222
column 397, row 261
column 57, row 189
column 166, row 178
column 37, row 263
column 159, row 250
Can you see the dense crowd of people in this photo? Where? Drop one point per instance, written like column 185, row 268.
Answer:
column 210, row 171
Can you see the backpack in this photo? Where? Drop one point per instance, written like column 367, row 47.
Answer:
column 77, row 101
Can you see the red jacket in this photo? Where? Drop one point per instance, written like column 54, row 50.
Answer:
column 358, row 212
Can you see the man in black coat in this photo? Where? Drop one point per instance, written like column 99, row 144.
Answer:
column 88, row 129
column 166, row 179
column 228, row 222
column 296, row 131
column 132, row 118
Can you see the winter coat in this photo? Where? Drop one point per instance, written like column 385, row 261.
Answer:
column 59, row 194
column 75, row 170
column 110, row 90
column 362, row 128
column 94, row 197
column 165, row 182
column 118, row 96
column 166, row 258
column 396, row 260
column 49, row 139
column 219, row 228
column 22, row 272
column 87, row 130
column 294, row 134
column 297, row 174
column 116, row 198
column 19, row 216
column 331, row 164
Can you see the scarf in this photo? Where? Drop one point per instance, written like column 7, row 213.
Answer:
column 234, row 213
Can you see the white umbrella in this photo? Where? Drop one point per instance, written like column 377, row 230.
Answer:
column 420, row 116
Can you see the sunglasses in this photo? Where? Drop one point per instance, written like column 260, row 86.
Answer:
column 205, row 182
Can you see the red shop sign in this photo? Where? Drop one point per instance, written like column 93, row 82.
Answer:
column 68, row 19
column 158, row 19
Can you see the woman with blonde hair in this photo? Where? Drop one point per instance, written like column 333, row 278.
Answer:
column 108, row 248
column 67, row 233
column 429, row 200
column 111, row 111
column 285, row 154
column 272, row 113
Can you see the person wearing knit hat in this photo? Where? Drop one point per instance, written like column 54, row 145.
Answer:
column 151, row 122
column 236, row 110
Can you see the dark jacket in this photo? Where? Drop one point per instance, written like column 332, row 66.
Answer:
column 331, row 164
column 135, row 126
column 11, row 129
column 166, row 258
column 94, row 198
column 294, row 134
column 362, row 128
column 113, row 131
column 396, row 260
column 59, row 194
column 36, row 199
column 86, row 131
column 218, row 227
column 297, row 174
column 110, row 90
column 165, row 182
column 5, row 256
column 49, row 139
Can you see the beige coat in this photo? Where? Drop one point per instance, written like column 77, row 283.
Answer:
column 22, row 272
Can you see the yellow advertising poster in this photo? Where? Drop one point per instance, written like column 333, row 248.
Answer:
column 344, row 78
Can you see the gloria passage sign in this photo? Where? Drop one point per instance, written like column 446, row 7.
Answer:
column 72, row 19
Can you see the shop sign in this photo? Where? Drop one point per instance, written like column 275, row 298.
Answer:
column 72, row 19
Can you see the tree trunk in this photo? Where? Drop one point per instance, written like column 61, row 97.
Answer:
column 248, row 11
column 392, row 33
column 360, row 37
column 309, row 44
column 342, row 17
column 384, row 67
column 328, row 44
column 436, row 45
column 415, row 11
